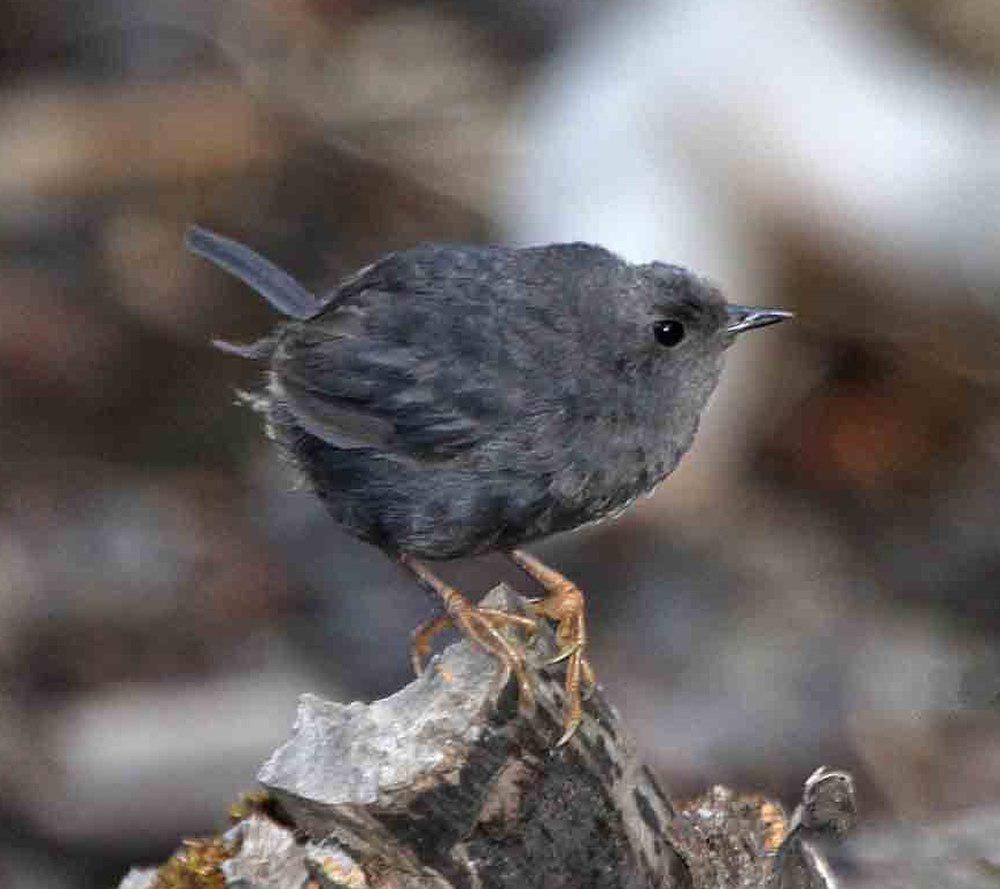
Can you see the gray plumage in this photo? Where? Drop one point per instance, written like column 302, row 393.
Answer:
column 454, row 399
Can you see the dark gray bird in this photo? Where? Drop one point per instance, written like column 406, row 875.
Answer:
column 452, row 399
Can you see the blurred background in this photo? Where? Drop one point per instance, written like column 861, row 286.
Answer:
column 817, row 583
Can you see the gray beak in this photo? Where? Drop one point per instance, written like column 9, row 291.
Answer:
column 748, row 317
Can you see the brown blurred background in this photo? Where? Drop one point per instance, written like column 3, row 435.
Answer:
column 818, row 583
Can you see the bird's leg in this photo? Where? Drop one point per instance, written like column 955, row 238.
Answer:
column 481, row 625
column 564, row 604
column 420, row 640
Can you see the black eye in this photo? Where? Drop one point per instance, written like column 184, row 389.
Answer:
column 668, row 333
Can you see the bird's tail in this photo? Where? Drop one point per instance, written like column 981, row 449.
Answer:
column 263, row 348
column 279, row 288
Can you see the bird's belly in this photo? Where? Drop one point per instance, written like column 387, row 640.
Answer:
column 449, row 510
column 437, row 512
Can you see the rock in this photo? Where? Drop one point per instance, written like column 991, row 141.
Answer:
column 267, row 857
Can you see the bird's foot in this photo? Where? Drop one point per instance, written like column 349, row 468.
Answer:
column 420, row 640
column 564, row 604
column 482, row 625
column 422, row 636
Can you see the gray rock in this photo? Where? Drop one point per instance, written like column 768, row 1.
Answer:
column 139, row 878
column 332, row 867
column 267, row 857
column 450, row 783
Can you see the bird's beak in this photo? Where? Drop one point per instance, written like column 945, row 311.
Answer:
column 748, row 317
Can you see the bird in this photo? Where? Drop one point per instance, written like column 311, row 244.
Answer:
column 454, row 399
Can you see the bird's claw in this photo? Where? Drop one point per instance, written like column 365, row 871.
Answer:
column 483, row 626
column 564, row 605
column 420, row 641
column 571, row 727
column 589, row 680
column 565, row 653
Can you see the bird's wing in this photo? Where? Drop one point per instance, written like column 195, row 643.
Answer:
column 360, row 395
column 404, row 373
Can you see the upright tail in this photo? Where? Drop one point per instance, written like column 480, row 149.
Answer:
column 279, row 288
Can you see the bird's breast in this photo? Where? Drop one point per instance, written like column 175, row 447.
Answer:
column 609, row 465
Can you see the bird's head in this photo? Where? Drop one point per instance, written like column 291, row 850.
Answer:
column 679, row 327
column 689, row 312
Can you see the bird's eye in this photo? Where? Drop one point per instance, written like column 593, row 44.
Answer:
column 668, row 332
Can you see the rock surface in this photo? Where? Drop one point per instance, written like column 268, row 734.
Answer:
column 447, row 783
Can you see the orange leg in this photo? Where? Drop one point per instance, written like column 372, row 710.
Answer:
column 564, row 604
column 420, row 640
column 481, row 625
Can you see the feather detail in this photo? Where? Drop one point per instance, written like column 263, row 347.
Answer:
column 257, row 351
column 279, row 288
